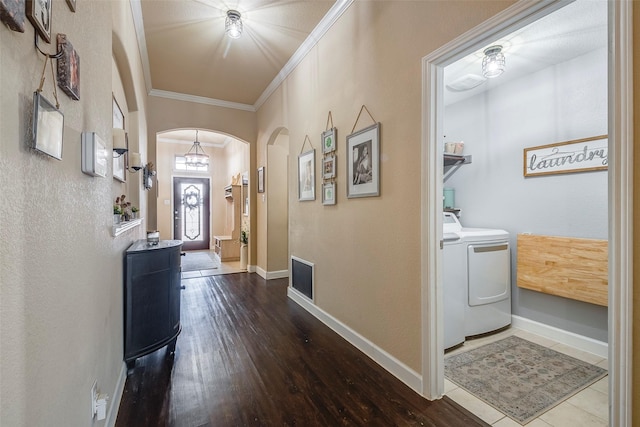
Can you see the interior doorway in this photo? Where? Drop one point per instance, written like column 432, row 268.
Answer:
column 191, row 212
column 620, row 184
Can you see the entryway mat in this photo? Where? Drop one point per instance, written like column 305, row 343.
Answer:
column 194, row 261
column 519, row 378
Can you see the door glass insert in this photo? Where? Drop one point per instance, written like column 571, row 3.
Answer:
column 192, row 218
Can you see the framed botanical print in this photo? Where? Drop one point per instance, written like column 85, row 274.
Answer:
column 329, row 193
column 329, row 140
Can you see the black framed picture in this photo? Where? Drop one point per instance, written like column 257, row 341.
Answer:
column 261, row 179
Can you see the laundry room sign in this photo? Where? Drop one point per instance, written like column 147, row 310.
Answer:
column 580, row 155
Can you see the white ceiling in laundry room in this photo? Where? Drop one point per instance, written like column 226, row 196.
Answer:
column 567, row 33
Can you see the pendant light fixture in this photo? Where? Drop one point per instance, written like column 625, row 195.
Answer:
column 493, row 62
column 196, row 155
column 233, row 24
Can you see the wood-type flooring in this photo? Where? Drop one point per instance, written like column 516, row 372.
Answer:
column 249, row 356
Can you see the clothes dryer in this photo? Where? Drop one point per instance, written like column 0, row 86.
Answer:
column 476, row 277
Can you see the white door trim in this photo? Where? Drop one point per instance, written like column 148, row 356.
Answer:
column 620, row 212
column 620, row 193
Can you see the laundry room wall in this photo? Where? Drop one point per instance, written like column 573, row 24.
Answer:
column 564, row 102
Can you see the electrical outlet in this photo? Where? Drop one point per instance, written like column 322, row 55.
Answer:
column 94, row 398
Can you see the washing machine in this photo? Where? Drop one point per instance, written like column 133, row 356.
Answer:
column 476, row 277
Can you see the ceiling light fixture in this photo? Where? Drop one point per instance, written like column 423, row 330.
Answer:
column 233, row 24
column 493, row 62
column 196, row 155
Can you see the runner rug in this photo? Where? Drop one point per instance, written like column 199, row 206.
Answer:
column 519, row 378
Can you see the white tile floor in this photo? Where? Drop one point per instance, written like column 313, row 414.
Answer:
column 589, row 408
column 226, row 267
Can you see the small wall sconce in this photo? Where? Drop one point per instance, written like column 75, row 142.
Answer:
column 119, row 142
column 134, row 162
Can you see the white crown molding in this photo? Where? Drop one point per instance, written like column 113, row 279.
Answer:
column 201, row 100
column 323, row 26
column 136, row 12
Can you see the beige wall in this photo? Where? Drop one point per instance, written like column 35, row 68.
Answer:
column 277, row 201
column 367, row 251
column 61, row 270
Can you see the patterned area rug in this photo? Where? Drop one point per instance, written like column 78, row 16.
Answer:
column 519, row 378
column 194, row 261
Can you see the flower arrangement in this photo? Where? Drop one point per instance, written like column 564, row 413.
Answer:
column 125, row 207
column 244, row 237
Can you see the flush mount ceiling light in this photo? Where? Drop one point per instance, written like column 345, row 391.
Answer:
column 233, row 24
column 196, row 155
column 493, row 62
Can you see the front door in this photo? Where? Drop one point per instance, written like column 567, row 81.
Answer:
column 191, row 212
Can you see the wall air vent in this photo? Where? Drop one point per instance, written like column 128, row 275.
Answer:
column 302, row 276
column 466, row 82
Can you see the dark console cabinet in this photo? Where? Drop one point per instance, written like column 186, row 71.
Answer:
column 151, row 298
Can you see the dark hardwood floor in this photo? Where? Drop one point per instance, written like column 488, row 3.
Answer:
column 248, row 356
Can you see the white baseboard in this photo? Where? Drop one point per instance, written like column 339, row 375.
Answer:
column 378, row 355
column 580, row 342
column 268, row 275
column 117, row 397
column 277, row 274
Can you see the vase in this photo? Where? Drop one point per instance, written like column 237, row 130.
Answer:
column 116, row 219
column 244, row 256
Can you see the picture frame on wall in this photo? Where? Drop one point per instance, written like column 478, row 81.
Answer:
column 363, row 162
column 329, row 140
column 12, row 13
column 68, row 68
column 329, row 167
column 48, row 127
column 118, row 116
column 120, row 162
column 261, row 179
column 119, row 167
column 329, row 193
column 307, row 176
column 39, row 13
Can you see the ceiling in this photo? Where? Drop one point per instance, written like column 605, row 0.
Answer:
column 569, row 32
column 186, row 55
